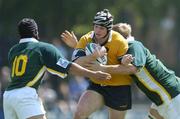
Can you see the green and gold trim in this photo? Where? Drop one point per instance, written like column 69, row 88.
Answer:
column 151, row 84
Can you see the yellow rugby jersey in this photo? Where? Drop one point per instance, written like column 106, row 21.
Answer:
column 116, row 47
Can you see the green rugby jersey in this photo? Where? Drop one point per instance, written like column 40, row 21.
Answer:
column 30, row 59
column 153, row 78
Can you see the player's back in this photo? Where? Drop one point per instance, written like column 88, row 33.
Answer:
column 25, row 60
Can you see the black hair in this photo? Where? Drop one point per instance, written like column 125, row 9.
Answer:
column 28, row 28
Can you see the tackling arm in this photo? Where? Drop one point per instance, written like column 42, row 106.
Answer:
column 78, row 70
column 124, row 68
column 119, row 69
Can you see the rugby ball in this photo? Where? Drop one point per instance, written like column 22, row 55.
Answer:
column 91, row 47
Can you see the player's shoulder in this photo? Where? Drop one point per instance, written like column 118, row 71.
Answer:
column 135, row 43
column 118, row 40
column 88, row 35
column 43, row 46
column 85, row 39
column 13, row 49
column 118, row 37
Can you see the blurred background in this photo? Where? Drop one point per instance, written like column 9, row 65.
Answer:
column 156, row 23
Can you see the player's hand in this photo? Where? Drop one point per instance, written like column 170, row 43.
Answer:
column 127, row 59
column 101, row 76
column 99, row 52
column 69, row 38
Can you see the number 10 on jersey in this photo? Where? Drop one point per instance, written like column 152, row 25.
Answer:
column 19, row 65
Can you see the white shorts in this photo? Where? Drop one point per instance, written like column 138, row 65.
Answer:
column 22, row 103
column 170, row 110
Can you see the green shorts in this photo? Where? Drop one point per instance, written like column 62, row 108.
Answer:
column 115, row 97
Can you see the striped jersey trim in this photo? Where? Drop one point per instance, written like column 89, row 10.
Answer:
column 150, row 83
column 62, row 75
column 37, row 77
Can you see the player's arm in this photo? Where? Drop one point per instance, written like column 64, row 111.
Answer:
column 88, row 59
column 58, row 65
column 130, row 63
column 79, row 56
column 114, row 69
column 120, row 68
column 78, row 70
column 125, row 67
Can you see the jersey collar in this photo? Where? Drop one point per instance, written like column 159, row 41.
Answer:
column 23, row 40
column 130, row 38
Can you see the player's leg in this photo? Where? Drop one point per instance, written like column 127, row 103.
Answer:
column 173, row 109
column 153, row 114
column 115, row 114
column 29, row 105
column 9, row 112
column 89, row 102
column 118, row 99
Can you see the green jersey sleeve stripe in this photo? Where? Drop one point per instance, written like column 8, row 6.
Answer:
column 62, row 75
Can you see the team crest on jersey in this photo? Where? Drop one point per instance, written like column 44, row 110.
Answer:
column 63, row 63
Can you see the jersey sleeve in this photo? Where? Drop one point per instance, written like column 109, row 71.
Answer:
column 138, row 52
column 82, row 43
column 54, row 61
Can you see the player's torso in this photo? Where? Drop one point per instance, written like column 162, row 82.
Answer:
column 156, row 81
column 26, row 65
column 159, row 90
column 113, row 52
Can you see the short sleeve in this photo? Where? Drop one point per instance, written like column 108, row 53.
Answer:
column 54, row 61
column 82, row 43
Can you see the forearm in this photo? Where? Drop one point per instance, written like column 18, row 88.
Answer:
column 76, row 69
column 84, row 60
column 97, row 75
column 119, row 69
